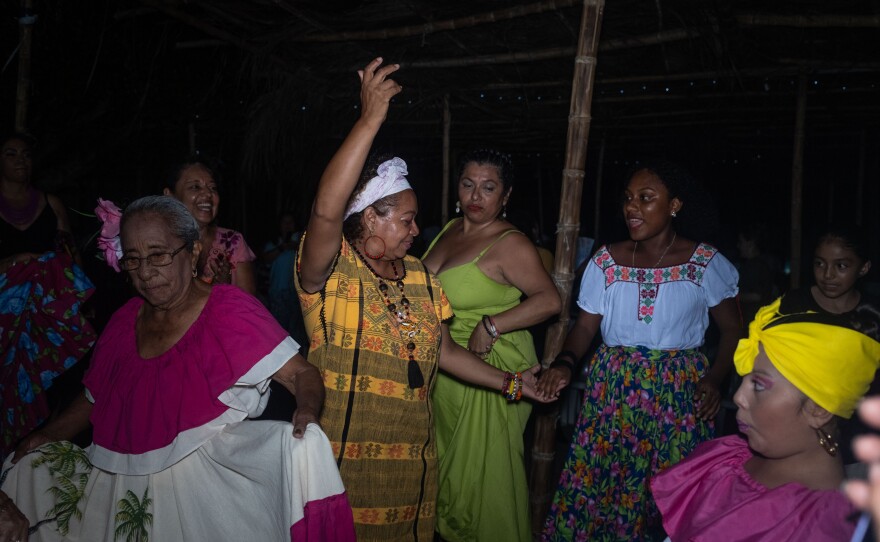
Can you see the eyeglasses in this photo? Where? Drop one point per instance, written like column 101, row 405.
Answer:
column 159, row 259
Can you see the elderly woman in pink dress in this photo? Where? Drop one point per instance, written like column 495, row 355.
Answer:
column 172, row 380
column 780, row 479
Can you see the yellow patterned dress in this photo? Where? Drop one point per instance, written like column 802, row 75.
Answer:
column 381, row 429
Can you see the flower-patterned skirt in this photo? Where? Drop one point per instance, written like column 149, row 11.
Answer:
column 638, row 418
column 42, row 334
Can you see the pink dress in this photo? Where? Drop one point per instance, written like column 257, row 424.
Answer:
column 172, row 457
column 709, row 496
column 232, row 245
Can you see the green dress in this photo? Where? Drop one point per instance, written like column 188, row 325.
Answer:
column 483, row 489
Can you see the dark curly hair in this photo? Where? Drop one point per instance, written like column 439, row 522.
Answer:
column 352, row 228
column 698, row 218
column 490, row 157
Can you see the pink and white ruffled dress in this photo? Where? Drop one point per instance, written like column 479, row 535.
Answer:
column 172, row 457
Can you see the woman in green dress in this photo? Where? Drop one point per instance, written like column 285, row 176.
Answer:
column 485, row 266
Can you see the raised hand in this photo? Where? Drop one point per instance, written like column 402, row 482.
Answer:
column 377, row 90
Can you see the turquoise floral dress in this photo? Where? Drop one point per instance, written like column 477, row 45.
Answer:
column 638, row 416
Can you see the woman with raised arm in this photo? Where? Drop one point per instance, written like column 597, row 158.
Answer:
column 375, row 319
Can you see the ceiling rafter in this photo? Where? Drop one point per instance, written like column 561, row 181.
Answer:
column 440, row 26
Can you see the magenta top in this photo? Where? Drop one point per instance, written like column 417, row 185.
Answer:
column 150, row 413
column 709, row 496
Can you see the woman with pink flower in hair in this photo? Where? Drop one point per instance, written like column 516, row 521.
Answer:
column 42, row 331
column 227, row 258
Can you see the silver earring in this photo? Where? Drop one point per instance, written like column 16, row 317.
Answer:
column 504, row 212
column 457, row 207
column 673, row 214
column 195, row 272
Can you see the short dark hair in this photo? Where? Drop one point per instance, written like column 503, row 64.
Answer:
column 170, row 179
column 698, row 218
column 848, row 235
column 501, row 161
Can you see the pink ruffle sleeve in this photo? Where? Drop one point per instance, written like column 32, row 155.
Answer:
column 709, row 496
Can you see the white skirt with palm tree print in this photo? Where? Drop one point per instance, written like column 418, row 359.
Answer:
column 250, row 482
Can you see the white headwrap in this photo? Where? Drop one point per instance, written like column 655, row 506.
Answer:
column 390, row 179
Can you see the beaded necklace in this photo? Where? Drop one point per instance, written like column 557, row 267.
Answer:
column 400, row 311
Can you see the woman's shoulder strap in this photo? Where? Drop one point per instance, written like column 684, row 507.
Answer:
column 496, row 240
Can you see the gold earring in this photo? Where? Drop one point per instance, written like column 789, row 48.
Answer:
column 827, row 442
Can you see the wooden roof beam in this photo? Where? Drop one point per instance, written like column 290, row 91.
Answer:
column 440, row 26
column 214, row 31
column 561, row 52
column 810, row 21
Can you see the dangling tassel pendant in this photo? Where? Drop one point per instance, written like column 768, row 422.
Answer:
column 414, row 375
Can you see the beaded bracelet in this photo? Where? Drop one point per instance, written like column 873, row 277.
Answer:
column 512, row 387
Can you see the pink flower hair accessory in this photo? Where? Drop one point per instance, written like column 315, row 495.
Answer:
column 108, row 240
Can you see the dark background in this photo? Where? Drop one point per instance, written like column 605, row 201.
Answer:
column 122, row 89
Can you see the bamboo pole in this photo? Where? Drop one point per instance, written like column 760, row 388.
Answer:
column 447, row 121
column 541, row 479
column 23, row 89
column 797, row 180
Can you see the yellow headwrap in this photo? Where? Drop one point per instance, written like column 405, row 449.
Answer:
column 831, row 364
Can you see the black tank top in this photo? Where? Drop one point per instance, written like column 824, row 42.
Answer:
column 38, row 237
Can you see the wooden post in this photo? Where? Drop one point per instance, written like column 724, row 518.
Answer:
column 541, row 477
column 23, row 90
column 797, row 181
column 447, row 121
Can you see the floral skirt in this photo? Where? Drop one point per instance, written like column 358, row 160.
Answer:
column 42, row 334
column 638, row 418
